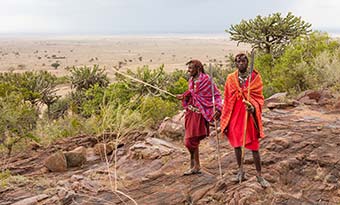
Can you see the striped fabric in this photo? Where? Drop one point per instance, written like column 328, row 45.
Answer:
column 200, row 92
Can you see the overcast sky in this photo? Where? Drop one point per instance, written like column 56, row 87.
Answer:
column 154, row 16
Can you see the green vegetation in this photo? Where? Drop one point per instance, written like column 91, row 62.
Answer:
column 309, row 62
column 290, row 57
column 269, row 34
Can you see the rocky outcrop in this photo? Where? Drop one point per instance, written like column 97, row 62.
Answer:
column 300, row 157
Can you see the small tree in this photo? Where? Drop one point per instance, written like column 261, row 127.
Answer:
column 36, row 87
column 83, row 78
column 55, row 65
column 17, row 120
column 269, row 34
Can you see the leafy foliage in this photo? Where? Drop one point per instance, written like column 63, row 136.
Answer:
column 59, row 108
column 36, row 87
column 270, row 34
column 17, row 120
column 156, row 109
column 298, row 68
column 82, row 78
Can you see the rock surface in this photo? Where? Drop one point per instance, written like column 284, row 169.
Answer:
column 300, row 157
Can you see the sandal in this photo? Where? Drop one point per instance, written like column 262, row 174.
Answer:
column 264, row 183
column 240, row 176
column 191, row 172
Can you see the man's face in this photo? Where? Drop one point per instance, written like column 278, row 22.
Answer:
column 242, row 64
column 192, row 70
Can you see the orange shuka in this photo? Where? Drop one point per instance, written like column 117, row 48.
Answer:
column 233, row 92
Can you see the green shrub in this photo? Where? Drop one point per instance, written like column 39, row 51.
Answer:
column 83, row 78
column 36, row 87
column 156, row 77
column 296, row 69
column 156, row 109
column 70, row 125
column 327, row 69
column 17, row 121
column 179, row 86
column 59, row 108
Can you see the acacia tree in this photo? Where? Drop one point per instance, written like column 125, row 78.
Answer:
column 269, row 34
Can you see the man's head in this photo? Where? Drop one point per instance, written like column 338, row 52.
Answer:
column 241, row 61
column 195, row 67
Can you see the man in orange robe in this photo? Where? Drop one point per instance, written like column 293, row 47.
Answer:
column 235, row 108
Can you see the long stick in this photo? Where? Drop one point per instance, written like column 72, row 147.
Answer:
column 140, row 81
column 246, row 117
column 215, row 121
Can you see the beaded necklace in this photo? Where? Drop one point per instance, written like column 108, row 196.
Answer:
column 242, row 77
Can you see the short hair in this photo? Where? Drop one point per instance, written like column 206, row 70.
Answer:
column 238, row 56
column 197, row 64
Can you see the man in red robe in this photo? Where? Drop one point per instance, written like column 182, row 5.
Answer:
column 198, row 103
column 235, row 108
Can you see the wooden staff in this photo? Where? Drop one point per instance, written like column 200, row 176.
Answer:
column 215, row 121
column 246, row 116
column 144, row 83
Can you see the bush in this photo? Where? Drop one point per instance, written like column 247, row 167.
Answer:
column 83, row 78
column 17, row 121
column 36, row 87
column 156, row 77
column 59, row 108
column 327, row 68
column 179, row 86
column 70, row 125
column 296, row 69
column 156, row 109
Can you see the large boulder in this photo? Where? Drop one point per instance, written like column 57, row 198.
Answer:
column 76, row 157
column 56, row 162
column 172, row 128
column 276, row 98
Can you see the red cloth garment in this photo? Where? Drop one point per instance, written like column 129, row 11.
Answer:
column 234, row 111
column 198, row 103
column 200, row 92
column 196, row 129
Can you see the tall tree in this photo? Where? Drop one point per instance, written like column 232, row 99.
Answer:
column 270, row 34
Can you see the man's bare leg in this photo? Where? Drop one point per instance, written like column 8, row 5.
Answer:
column 240, row 174
column 197, row 165
column 257, row 162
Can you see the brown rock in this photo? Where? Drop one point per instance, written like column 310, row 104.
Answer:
column 276, row 98
column 152, row 148
column 91, row 155
column 103, row 149
column 337, row 103
column 32, row 200
column 307, row 101
column 172, row 128
column 76, row 157
column 56, row 162
column 315, row 95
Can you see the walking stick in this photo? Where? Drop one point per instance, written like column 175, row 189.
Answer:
column 246, row 117
column 215, row 121
column 144, row 83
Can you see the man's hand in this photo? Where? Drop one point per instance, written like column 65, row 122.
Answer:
column 217, row 115
column 180, row 97
column 249, row 106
